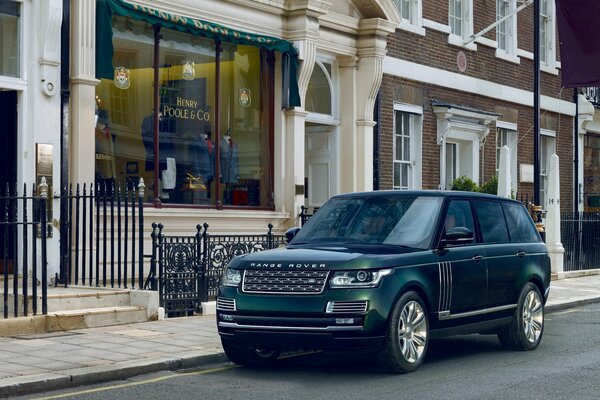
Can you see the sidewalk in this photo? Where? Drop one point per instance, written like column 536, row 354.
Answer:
column 61, row 360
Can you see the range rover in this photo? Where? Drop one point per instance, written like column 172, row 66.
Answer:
column 390, row 270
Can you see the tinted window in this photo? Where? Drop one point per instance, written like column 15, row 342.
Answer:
column 394, row 220
column 459, row 214
column 523, row 222
column 491, row 221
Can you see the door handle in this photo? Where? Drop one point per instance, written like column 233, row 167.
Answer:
column 477, row 258
column 521, row 253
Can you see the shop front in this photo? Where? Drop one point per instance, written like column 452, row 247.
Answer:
column 205, row 106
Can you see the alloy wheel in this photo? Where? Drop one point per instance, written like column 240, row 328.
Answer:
column 412, row 331
column 533, row 316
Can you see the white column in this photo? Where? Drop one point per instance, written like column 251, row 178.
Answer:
column 83, row 83
column 348, row 67
column 294, row 166
column 504, row 177
column 553, row 240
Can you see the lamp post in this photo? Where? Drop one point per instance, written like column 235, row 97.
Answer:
column 536, row 102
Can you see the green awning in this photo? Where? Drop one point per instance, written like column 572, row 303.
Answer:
column 105, row 9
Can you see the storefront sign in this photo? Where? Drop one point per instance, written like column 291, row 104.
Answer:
column 122, row 78
column 185, row 109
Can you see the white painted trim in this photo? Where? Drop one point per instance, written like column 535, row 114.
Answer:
column 503, row 55
column 456, row 40
column 407, row 26
column 525, row 54
column 506, row 125
column 423, row 73
column 409, row 108
column 548, row 132
column 12, row 83
column 548, row 69
column 436, row 26
column 487, row 42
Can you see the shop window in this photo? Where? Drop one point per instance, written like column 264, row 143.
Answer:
column 9, row 39
column 209, row 154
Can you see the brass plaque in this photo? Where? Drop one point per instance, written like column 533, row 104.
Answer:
column 43, row 160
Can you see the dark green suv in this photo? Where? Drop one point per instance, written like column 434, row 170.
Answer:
column 390, row 270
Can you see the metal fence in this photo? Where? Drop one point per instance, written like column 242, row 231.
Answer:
column 23, row 235
column 188, row 269
column 580, row 235
column 104, row 235
column 306, row 213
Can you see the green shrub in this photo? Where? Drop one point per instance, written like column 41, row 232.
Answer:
column 464, row 184
column 490, row 186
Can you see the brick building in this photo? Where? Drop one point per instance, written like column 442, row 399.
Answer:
column 446, row 105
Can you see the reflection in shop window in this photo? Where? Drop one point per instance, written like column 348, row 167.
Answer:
column 9, row 38
column 194, row 165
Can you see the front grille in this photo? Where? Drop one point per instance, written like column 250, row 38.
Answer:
column 225, row 304
column 295, row 282
column 347, row 306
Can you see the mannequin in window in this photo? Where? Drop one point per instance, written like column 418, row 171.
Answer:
column 229, row 160
column 167, row 160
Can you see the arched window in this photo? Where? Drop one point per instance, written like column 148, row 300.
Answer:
column 320, row 88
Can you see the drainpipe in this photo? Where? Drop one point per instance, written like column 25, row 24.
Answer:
column 65, row 95
column 376, row 145
column 576, row 151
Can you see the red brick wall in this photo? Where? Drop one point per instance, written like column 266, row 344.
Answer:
column 433, row 50
column 395, row 89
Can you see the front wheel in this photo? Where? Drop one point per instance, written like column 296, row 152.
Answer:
column 249, row 356
column 527, row 326
column 407, row 335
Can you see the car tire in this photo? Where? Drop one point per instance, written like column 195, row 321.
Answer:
column 249, row 356
column 407, row 335
column 527, row 325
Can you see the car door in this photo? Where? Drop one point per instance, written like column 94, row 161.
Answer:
column 503, row 256
column 463, row 270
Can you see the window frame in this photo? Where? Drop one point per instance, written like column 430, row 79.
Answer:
column 547, row 148
column 510, row 27
column 547, row 39
column 414, row 22
column 466, row 24
column 415, row 115
column 512, row 136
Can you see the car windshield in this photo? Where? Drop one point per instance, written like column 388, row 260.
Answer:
column 379, row 220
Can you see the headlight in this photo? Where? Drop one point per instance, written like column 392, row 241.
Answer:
column 231, row 277
column 357, row 279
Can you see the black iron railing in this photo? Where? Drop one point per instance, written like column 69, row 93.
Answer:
column 306, row 213
column 187, row 269
column 104, row 236
column 580, row 235
column 592, row 94
column 23, row 236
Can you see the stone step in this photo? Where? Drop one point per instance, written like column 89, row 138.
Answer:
column 95, row 317
column 75, row 319
column 70, row 299
column 11, row 281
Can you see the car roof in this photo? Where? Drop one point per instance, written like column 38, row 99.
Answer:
column 427, row 193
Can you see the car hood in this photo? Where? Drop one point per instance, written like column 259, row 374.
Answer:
column 328, row 258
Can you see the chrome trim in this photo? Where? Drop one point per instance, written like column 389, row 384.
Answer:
column 447, row 315
column 224, row 304
column 347, row 306
column 291, row 328
column 325, row 280
column 445, row 271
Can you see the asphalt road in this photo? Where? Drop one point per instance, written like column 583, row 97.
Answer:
column 565, row 366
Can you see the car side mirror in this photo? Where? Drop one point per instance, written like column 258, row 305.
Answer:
column 291, row 233
column 459, row 235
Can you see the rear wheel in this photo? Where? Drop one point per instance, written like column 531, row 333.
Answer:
column 527, row 326
column 407, row 335
column 250, row 356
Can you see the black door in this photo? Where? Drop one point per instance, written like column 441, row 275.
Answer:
column 8, row 138
column 8, row 166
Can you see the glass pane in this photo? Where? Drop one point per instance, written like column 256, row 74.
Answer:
column 9, row 39
column 404, row 182
column 124, row 109
column 405, row 9
column 492, row 223
column 245, row 145
column 398, row 154
column 406, row 156
column 459, row 215
column 318, row 94
column 397, row 175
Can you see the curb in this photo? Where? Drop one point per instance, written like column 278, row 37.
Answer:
column 25, row 385
column 550, row 308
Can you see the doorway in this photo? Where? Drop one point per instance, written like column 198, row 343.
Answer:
column 321, row 170
column 8, row 166
column 8, row 139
